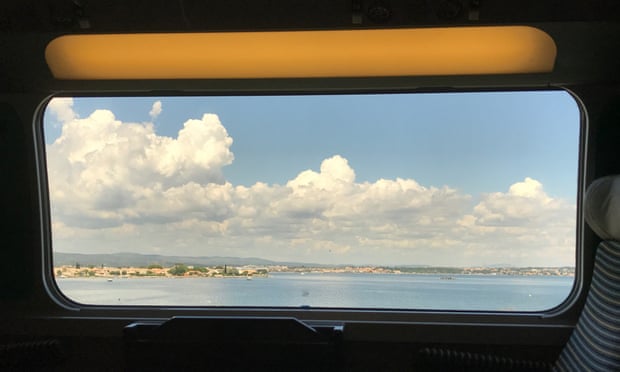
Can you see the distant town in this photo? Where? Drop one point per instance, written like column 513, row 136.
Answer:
column 156, row 270
column 78, row 270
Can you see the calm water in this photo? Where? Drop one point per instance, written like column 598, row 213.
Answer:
column 464, row 292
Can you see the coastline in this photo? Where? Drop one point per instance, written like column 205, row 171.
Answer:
column 250, row 271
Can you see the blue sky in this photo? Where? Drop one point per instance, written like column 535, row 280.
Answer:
column 476, row 142
column 441, row 179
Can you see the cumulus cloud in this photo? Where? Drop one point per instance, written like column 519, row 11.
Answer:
column 525, row 221
column 156, row 109
column 118, row 186
column 62, row 109
column 525, row 203
column 104, row 172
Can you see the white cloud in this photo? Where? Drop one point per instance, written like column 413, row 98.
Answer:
column 335, row 175
column 104, row 172
column 156, row 109
column 62, row 109
column 524, row 225
column 524, row 202
column 122, row 187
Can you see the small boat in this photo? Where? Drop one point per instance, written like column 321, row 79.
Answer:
column 248, row 277
column 109, row 279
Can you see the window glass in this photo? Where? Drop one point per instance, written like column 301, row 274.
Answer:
column 458, row 201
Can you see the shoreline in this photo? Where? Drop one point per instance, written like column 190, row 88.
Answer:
column 250, row 271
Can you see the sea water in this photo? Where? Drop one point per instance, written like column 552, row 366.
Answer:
column 329, row 290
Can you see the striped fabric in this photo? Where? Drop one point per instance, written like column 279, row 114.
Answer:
column 595, row 343
column 438, row 359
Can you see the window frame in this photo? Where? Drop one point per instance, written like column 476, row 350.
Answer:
column 373, row 322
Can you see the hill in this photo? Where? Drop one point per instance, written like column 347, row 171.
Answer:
column 138, row 260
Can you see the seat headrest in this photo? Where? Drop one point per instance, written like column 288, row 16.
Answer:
column 602, row 207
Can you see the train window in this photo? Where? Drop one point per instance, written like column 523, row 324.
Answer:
column 443, row 201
